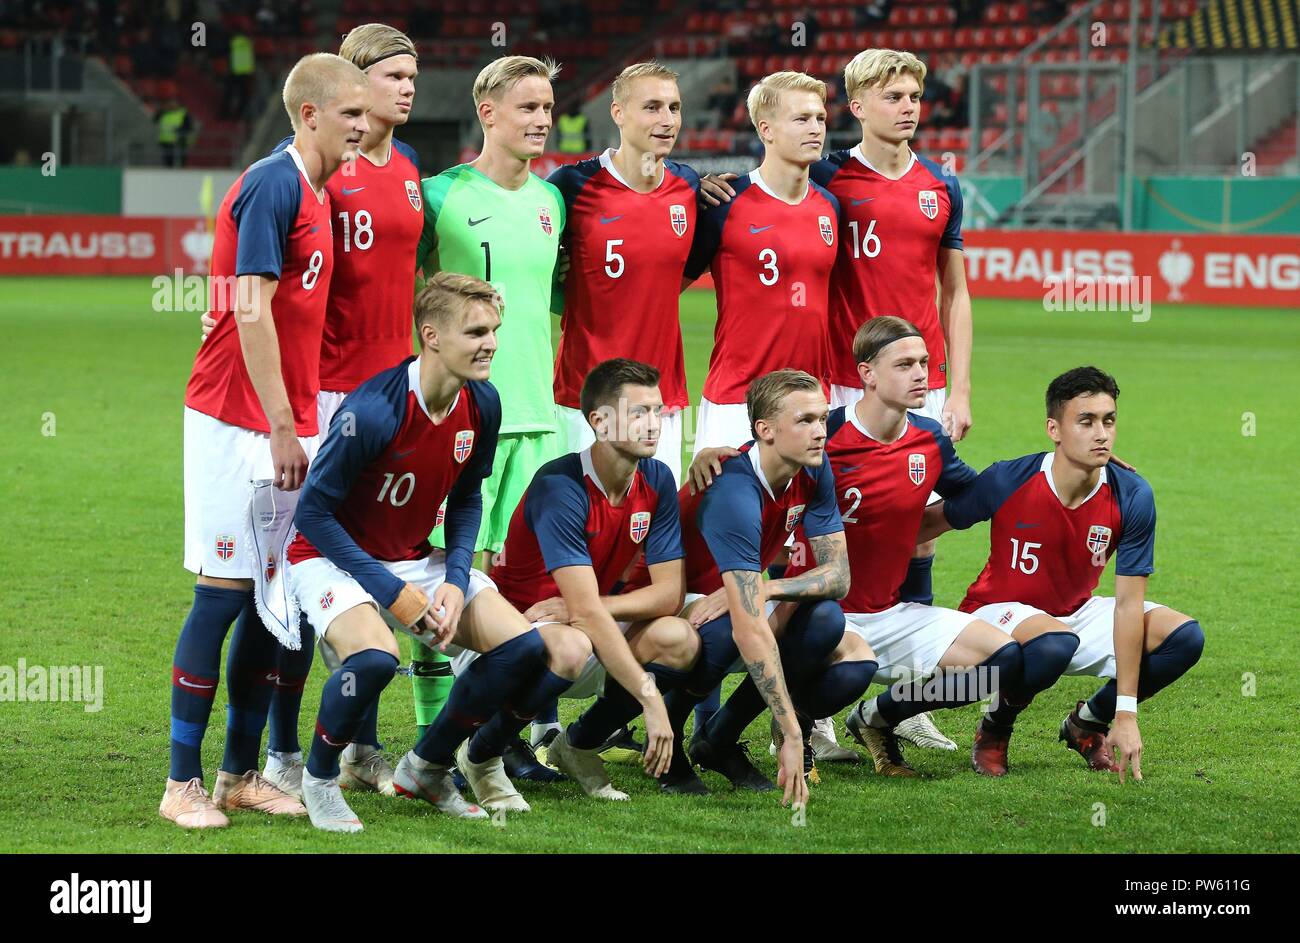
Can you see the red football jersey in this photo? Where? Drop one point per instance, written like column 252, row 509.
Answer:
column 883, row 488
column 890, row 235
column 378, row 216
column 624, row 247
column 771, row 264
column 270, row 223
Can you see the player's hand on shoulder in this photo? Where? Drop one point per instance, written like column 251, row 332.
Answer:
column 444, row 613
column 549, row 610
column 209, row 323
column 1125, row 742
column 957, row 418
column 1121, row 463
column 706, row 465
column 715, row 189
column 562, row 263
column 709, row 608
column 288, row 459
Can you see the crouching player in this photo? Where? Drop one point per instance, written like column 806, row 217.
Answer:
column 732, row 532
column 886, row 460
column 1057, row 517
column 403, row 441
column 582, row 524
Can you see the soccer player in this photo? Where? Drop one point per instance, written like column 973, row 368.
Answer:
column 786, row 631
column 584, row 521
column 494, row 219
column 900, row 225
column 887, row 459
column 409, row 438
column 250, row 413
column 771, row 250
column 377, row 220
column 1057, row 517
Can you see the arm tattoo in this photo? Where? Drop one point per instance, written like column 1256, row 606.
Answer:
column 748, row 583
column 828, row 580
column 769, row 678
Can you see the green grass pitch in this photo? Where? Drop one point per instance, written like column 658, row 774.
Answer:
column 90, row 562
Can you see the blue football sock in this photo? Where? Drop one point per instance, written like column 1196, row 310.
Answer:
column 706, row 708
column 952, row 687
column 490, row 681
column 1172, row 659
column 1045, row 659
column 840, row 685
column 250, row 683
column 367, row 733
column 616, row 708
column 505, row 726
column 346, row 697
column 917, row 585
column 702, row 686
column 293, row 669
column 196, row 668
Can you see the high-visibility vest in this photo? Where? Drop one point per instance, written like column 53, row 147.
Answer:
column 169, row 125
column 573, row 134
column 241, row 55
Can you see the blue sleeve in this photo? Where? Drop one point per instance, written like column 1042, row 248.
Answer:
column 1135, row 555
column 568, row 180
column 822, row 515
column 664, row 541
column 464, row 514
column 708, row 236
column 409, row 152
column 730, row 518
column 556, row 510
column 821, row 172
column 834, row 201
column 282, row 145
column 955, row 476
column 980, row 500
column 687, row 173
column 359, row 431
column 264, row 211
column 951, row 238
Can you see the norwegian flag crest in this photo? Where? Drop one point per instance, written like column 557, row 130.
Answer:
column 270, row 565
column 1098, row 538
column 225, row 546
column 916, row 468
column 442, row 513
column 827, row 230
column 640, row 526
column 544, row 217
column 327, row 599
column 413, row 194
column 792, row 516
column 929, row 201
column 464, row 445
column 677, row 214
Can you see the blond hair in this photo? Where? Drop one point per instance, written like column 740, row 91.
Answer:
column 639, row 70
column 765, row 395
column 764, row 97
column 878, row 67
column 500, row 75
column 451, row 293
column 319, row 79
column 368, row 44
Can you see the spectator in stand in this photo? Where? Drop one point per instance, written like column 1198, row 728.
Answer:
column 766, row 37
column 736, row 38
column 174, row 131
column 969, row 12
column 1042, row 12
column 872, row 13
column 812, row 28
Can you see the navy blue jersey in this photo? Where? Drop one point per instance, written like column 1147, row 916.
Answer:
column 566, row 519
column 374, row 489
column 1043, row 554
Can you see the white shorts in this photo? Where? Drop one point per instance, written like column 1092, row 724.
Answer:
column 1093, row 622
column 221, row 463
column 327, row 404
column 324, row 591
column 589, row 683
column 908, row 638
column 721, row 424
column 577, row 435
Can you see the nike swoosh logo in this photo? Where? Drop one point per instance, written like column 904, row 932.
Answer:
column 755, row 230
column 855, row 202
column 348, row 191
column 610, row 219
column 191, row 684
column 849, row 468
column 272, row 677
column 403, row 454
column 313, row 229
column 1021, row 525
column 475, row 222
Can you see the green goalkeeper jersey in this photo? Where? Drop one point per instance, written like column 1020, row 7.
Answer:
column 509, row 238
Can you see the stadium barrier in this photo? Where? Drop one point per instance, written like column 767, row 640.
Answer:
column 103, row 245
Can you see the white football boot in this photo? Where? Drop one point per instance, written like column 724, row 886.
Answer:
column 326, row 807
column 584, row 767
column 416, row 779
column 492, row 787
